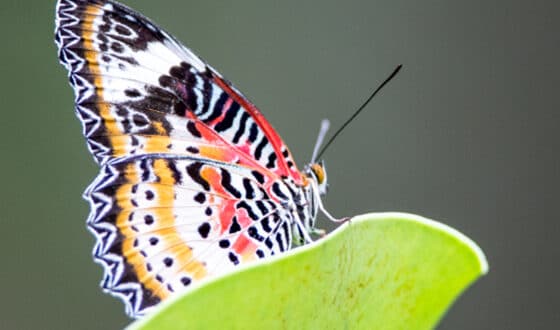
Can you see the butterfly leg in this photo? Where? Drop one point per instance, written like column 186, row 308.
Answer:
column 328, row 215
column 319, row 232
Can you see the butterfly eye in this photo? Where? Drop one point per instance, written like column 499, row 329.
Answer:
column 319, row 172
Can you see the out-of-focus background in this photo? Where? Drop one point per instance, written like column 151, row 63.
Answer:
column 467, row 134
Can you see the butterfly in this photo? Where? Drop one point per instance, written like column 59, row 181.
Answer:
column 193, row 179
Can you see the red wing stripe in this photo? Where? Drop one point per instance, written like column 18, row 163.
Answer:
column 269, row 131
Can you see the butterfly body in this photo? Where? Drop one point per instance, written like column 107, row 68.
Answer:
column 193, row 179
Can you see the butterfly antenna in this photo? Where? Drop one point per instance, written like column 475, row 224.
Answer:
column 391, row 76
column 325, row 124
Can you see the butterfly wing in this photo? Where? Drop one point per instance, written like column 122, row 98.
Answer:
column 189, row 184
column 163, row 223
column 137, row 89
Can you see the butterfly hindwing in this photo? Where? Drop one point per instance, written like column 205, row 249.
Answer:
column 164, row 222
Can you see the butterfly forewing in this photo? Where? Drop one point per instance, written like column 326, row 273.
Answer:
column 189, row 182
column 133, row 79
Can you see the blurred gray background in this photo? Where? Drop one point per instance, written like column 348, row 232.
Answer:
column 467, row 134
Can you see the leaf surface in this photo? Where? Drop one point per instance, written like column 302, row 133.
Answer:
column 377, row 271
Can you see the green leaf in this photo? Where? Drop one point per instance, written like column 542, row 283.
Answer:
column 377, row 271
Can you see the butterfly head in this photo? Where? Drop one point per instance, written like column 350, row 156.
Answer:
column 318, row 173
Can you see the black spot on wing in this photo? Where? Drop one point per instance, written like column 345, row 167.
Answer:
column 186, row 281
column 226, row 183
column 271, row 160
column 260, row 147
column 254, row 233
column 174, row 172
column 277, row 191
column 253, row 133
column 241, row 129
column 144, row 169
column 204, row 230
column 168, row 262
column 194, row 172
column 200, row 198
column 117, row 47
column 268, row 243
column 235, row 227
column 206, row 94
column 280, row 241
column 193, row 150
column 132, row 92
column 266, row 225
column 122, row 30
column 258, row 176
column 178, row 72
column 249, row 191
column 191, row 127
column 250, row 212
column 262, row 207
column 233, row 258
column 149, row 195
column 227, row 121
